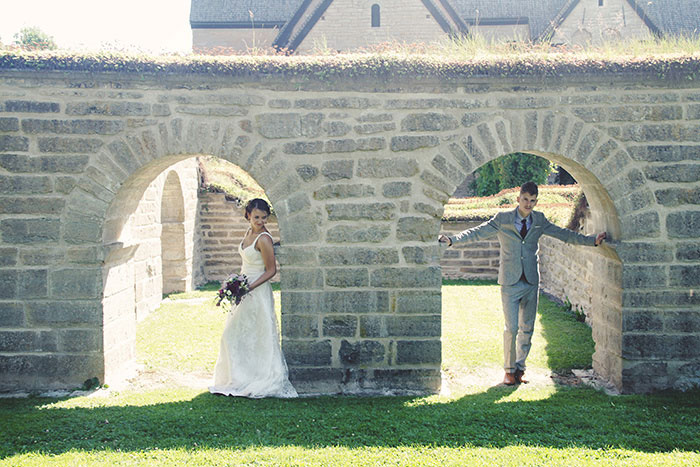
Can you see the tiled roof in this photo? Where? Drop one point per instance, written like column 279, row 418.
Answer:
column 539, row 12
column 673, row 17
column 238, row 11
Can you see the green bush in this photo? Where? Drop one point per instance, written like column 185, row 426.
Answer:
column 511, row 170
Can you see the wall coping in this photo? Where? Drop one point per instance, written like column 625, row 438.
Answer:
column 420, row 69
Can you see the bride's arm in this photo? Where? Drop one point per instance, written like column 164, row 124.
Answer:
column 264, row 245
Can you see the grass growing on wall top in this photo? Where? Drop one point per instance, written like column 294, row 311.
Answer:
column 677, row 58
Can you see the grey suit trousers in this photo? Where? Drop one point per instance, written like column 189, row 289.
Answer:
column 519, row 310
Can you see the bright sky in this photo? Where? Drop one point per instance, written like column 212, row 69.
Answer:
column 147, row 25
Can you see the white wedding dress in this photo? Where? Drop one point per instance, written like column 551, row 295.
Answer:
column 250, row 362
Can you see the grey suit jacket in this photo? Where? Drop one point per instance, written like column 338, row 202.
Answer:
column 519, row 255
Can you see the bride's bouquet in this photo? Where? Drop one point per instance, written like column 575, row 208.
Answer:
column 233, row 289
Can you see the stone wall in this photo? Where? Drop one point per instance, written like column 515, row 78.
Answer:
column 358, row 171
column 469, row 260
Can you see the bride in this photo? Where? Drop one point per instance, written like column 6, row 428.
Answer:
column 250, row 362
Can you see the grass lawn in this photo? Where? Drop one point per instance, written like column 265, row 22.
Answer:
column 477, row 423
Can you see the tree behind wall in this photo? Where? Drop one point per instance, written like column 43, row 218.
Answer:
column 509, row 171
column 34, row 39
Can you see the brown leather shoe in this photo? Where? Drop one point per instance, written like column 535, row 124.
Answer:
column 510, row 379
column 520, row 376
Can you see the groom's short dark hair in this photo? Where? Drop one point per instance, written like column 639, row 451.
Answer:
column 530, row 188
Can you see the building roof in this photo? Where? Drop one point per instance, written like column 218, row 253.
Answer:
column 539, row 13
column 672, row 17
column 238, row 12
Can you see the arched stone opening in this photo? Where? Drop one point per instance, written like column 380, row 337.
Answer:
column 176, row 276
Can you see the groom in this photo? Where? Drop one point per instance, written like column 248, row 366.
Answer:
column 519, row 232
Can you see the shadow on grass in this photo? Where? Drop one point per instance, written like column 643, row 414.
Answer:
column 569, row 418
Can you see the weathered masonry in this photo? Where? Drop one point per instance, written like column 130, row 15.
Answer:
column 358, row 165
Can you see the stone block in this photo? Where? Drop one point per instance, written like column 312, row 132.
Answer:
column 643, row 225
column 335, row 129
column 347, row 277
column 434, row 211
column 460, row 156
column 30, row 231
column 665, row 153
column 9, row 280
column 336, row 103
column 161, row 110
column 21, row 106
column 660, row 299
column 684, row 276
column 343, row 191
column 643, row 276
column 368, row 211
column 122, row 155
column 408, row 278
column 20, row 184
column 365, row 352
column 34, row 282
column 526, row 102
column 26, row 341
column 412, row 143
column 340, row 326
column 76, row 283
column 447, row 170
column 301, row 279
column 112, row 109
column 417, row 229
column 419, row 302
column 408, row 381
column 414, row 326
column 437, row 182
column 341, row 256
column 65, row 313
column 433, row 103
column 279, row 125
column 297, row 256
column 421, row 255
column 63, row 145
column 303, row 147
column 682, row 321
column 672, row 197
column 387, row 168
column 307, row 172
column 645, row 252
column 315, row 381
column 300, row 326
column 299, row 228
column 48, row 164
column 396, row 189
column 373, row 326
column 418, row 352
column 307, row 353
column 338, row 170
column 431, row 121
column 311, row 124
column 358, row 234
column 296, row 302
column 642, row 321
column 14, row 143
column 31, row 205
column 8, row 256
column 373, row 128
column 279, row 103
column 11, row 314
column 9, row 124
column 683, row 173
column 356, row 302
column 374, row 117
column 80, row 340
column 79, row 229
column 642, row 113
column 352, row 145
column 82, row 127
column 683, row 224
column 688, row 251
column 588, row 143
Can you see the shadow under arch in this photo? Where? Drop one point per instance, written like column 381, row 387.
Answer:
column 590, row 151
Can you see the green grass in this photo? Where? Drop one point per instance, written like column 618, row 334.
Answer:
column 531, row 425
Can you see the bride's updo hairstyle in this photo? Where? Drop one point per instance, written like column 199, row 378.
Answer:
column 256, row 203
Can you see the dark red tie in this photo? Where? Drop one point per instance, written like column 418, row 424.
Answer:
column 523, row 229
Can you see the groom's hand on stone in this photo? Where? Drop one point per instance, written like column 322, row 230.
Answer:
column 445, row 239
column 599, row 239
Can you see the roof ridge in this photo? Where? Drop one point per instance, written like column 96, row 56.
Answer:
column 285, row 33
column 310, row 22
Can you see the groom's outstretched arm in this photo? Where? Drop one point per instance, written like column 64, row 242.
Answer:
column 480, row 232
column 569, row 236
